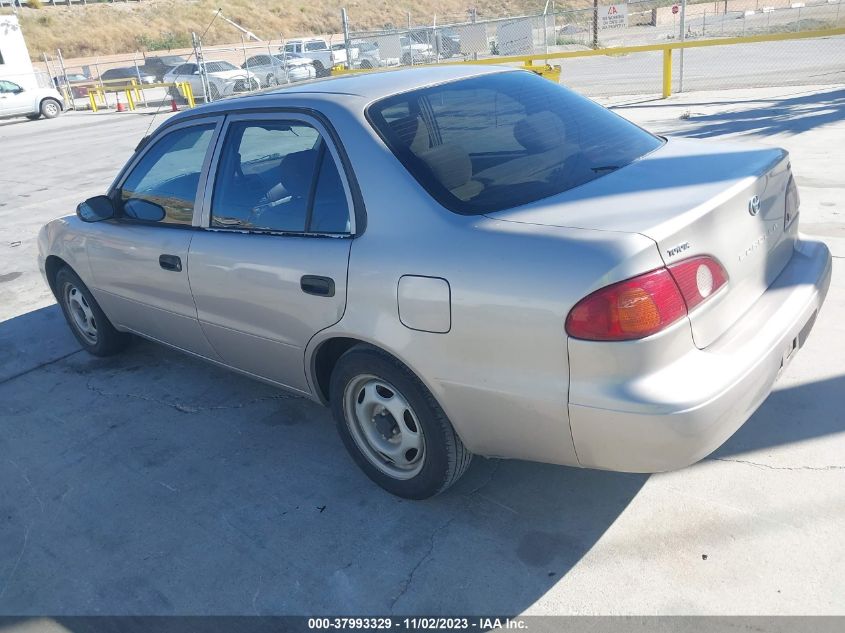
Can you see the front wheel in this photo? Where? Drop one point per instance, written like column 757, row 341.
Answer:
column 87, row 321
column 393, row 427
column 321, row 70
column 50, row 108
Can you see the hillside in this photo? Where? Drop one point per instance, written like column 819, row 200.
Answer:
column 101, row 29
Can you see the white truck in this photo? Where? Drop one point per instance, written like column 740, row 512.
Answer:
column 320, row 51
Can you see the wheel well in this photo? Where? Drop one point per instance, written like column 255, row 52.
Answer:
column 41, row 103
column 325, row 360
column 52, row 266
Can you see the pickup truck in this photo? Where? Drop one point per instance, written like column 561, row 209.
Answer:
column 319, row 50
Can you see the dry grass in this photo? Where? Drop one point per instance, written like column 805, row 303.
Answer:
column 102, row 29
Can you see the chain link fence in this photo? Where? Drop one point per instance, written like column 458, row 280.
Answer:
column 249, row 65
column 641, row 22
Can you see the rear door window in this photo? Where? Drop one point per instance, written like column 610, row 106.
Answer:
column 278, row 176
column 503, row 140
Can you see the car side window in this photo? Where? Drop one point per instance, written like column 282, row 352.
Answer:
column 162, row 187
column 278, row 176
column 8, row 86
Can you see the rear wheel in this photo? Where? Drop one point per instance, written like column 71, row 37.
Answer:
column 50, row 108
column 366, row 64
column 87, row 321
column 393, row 427
column 321, row 70
column 272, row 81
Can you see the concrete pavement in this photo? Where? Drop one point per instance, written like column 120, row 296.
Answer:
column 150, row 483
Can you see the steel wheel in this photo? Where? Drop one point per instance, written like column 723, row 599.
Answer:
column 384, row 426
column 50, row 108
column 81, row 314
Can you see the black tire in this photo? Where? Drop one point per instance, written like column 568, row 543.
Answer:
column 444, row 459
column 406, row 59
column 214, row 91
column 33, row 117
column 50, row 108
column 108, row 341
column 366, row 64
column 321, row 70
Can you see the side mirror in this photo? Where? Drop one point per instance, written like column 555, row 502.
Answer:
column 95, row 209
column 140, row 209
column 17, row 91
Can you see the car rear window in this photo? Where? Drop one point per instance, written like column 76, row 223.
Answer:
column 499, row 141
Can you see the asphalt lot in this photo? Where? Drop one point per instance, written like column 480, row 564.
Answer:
column 150, row 483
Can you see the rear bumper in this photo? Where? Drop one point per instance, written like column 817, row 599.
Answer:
column 679, row 412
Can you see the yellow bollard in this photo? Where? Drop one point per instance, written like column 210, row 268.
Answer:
column 667, row 72
column 92, row 100
column 129, row 101
column 189, row 94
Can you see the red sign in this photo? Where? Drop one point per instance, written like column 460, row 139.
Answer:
column 674, row 8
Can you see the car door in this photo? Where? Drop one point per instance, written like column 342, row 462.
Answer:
column 139, row 260
column 14, row 99
column 268, row 270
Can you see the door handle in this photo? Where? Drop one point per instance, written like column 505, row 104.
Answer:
column 316, row 285
column 170, row 262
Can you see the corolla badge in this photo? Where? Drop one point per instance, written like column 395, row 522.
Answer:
column 754, row 205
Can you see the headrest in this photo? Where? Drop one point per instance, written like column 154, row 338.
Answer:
column 450, row 165
column 540, row 132
column 411, row 132
column 297, row 170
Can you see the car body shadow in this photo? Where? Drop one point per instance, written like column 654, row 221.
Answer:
column 154, row 483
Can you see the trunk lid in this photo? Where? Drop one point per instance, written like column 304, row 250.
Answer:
column 692, row 198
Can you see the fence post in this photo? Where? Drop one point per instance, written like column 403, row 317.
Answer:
column 64, row 72
column 595, row 24
column 344, row 19
column 139, row 95
column 667, row 72
column 681, row 52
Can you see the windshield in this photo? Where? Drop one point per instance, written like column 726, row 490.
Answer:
column 499, row 141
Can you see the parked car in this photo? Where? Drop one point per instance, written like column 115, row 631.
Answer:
column 33, row 103
column 415, row 52
column 445, row 43
column 457, row 260
column 366, row 55
column 317, row 49
column 272, row 70
column 160, row 65
column 116, row 76
column 224, row 79
column 77, row 84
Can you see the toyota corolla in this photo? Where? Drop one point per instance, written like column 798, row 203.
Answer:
column 458, row 261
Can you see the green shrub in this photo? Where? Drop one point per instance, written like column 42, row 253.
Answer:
column 164, row 42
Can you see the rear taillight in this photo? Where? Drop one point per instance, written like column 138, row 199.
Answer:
column 641, row 306
column 793, row 201
column 698, row 278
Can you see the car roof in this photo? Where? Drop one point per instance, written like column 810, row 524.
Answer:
column 363, row 87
